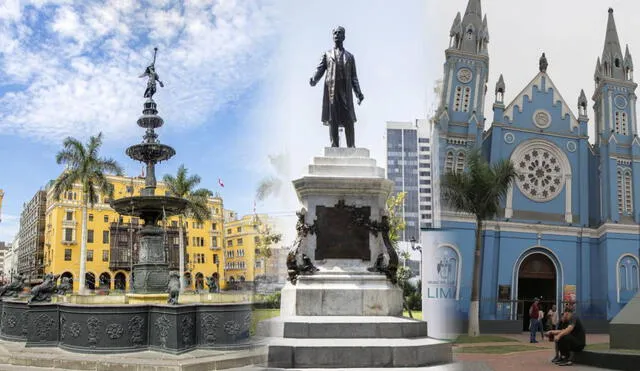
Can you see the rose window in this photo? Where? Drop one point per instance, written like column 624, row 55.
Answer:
column 540, row 176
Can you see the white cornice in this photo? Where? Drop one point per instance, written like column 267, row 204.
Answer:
column 545, row 229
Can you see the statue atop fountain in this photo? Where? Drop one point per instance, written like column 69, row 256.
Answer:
column 151, row 271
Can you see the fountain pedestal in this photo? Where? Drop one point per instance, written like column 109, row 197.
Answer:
column 151, row 273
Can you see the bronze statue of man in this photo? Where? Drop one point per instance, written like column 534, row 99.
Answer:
column 337, row 102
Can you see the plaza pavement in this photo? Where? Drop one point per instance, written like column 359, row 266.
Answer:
column 538, row 360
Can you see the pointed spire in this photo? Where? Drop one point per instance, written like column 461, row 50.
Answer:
column 543, row 64
column 582, row 104
column 472, row 27
column 474, row 9
column 500, row 85
column 456, row 27
column 485, row 29
column 628, row 62
column 612, row 53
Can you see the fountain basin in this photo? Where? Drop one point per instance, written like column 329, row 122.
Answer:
column 139, row 206
column 118, row 328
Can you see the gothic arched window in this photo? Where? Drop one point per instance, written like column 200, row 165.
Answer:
column 627, row 277
column 448, row 165
column 457, row 99
column 620, row 191
column 617, row 122
column 466, row 100
column 628, row 195
column 623, row 123
column 460, row 162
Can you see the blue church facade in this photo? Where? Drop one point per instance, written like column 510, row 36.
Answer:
column 569, row 229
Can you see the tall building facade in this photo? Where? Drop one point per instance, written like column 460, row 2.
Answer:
column 32, row 238
column 409, row 167
column 112, row 239
column 568, row 228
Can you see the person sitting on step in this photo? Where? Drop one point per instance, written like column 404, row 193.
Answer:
column 570, row 339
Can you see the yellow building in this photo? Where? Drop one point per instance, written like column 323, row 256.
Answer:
column 111, row 240
column 242, row 238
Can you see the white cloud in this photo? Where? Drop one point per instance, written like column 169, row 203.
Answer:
column 75, row 70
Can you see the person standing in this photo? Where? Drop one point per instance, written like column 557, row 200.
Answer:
column 534, row 314
column 552, row 317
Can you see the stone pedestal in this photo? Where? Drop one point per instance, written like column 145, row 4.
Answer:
column 625, row 327
column 151, row 274
column 345, row 314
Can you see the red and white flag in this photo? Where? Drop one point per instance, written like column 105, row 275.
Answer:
column 220, row 182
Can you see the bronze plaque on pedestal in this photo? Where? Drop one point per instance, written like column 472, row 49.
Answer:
column 340, row 235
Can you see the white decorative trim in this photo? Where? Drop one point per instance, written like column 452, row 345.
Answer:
column 565, row 168
column 527, row 228
column 509, row 138
column 464, row 70
column 528, row 91
column 571, row 146
column 635, row 257
column 538, row 116
column 620, row 101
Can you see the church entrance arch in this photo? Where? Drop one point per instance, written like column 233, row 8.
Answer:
column 537, row 276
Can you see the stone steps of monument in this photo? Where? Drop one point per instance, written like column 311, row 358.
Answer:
column 346, row 170
column 357, row 352
column 362, row 161
column 466, row 366
column 343, row 327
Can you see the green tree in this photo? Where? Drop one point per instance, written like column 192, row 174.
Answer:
column 83, row 166
column 396, row 226
column 266, row 239
column 479, row 191
column 183, row 186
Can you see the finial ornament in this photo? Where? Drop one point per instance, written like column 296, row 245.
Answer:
column 543, row 63
column 151, row 73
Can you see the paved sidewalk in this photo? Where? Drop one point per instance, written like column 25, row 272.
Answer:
column 538, row 360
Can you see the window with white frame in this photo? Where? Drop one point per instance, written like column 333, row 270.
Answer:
column 466, row 99
column 624, row 191
column 627, row 278
column 457, row 103
column 448, row 165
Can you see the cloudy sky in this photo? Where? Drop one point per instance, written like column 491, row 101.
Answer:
column 236, row 78
column 236, row 85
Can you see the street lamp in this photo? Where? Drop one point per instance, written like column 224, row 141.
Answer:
column 417, row 247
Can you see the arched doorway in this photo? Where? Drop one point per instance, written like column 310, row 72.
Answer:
column 537, row 277
column 67, row 276
column 105, row 281
column 90, row 280
column 187, row 280
column 120, row 281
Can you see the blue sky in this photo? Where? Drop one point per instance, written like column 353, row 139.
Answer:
column 236, row 85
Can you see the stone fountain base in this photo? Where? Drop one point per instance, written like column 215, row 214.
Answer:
column 122, row 328
column 150, row 278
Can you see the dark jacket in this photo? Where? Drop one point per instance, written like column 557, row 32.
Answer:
column 328, row 65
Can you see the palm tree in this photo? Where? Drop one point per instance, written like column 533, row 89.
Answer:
column 85, row 167
column 183, row 186
column 478, row 191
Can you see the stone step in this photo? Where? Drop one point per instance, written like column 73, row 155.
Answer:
column 357, row 353
column 346, row 152
column 458, row 366
column 346, row 171
column 339, row 327
column 361, row 161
